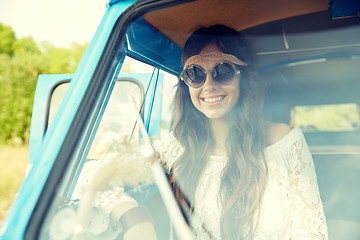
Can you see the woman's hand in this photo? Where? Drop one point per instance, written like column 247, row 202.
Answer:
column 139, row 227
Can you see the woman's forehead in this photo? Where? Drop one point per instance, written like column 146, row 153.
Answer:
column 211, row 48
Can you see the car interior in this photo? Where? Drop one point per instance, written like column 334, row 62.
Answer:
column 308, row 57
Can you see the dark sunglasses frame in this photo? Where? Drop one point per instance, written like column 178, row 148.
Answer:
column 187, row 80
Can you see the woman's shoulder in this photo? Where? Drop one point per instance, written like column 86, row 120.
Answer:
column 275, row 132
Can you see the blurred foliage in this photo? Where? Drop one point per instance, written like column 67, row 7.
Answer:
column 13, row 161
column 7, row 38
column 336, row 117
column 21, row 61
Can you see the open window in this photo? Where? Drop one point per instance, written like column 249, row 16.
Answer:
column 326, row 118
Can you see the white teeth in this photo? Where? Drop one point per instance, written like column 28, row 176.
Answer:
column 212, row 100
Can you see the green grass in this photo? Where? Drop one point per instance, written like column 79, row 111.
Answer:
column 13, row 160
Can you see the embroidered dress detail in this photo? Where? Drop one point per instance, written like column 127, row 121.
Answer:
column 291, row 207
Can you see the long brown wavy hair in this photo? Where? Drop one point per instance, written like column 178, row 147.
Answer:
column 244, row 177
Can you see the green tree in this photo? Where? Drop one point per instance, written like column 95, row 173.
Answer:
column 21, row 62
column 25, row 45
column 18, row 76
column 7, row 39
column 62, row 60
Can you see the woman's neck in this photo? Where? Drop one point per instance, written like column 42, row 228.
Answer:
column 220, row 129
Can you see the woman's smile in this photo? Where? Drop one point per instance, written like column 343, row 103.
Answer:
column 213, row 100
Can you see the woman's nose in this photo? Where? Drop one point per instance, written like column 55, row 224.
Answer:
column 209, row 82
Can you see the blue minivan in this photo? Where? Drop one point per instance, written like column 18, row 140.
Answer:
column 90, row 124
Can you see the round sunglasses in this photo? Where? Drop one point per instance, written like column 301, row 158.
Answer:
column 195, row 76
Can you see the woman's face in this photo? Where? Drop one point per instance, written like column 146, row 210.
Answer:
column 213, row 99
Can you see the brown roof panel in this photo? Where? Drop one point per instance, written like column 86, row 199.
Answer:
column 179, row 21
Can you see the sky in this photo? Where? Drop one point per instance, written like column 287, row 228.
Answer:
column 60, row 22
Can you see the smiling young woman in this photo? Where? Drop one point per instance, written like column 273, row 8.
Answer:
column 236, row 175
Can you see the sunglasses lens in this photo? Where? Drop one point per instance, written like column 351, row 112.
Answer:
column 194, row 76
column 223, row 73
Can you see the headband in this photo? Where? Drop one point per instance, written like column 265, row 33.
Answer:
column 214, row 56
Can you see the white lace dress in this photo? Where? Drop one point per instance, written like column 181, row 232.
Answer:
column 291, row 208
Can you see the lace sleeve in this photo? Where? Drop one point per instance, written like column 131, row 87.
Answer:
column 168, row 150
column 308, row 218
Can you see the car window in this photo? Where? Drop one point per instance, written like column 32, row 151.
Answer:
column 113, row 124
column 326, row 118
column 114, row 163
column 55, row 100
